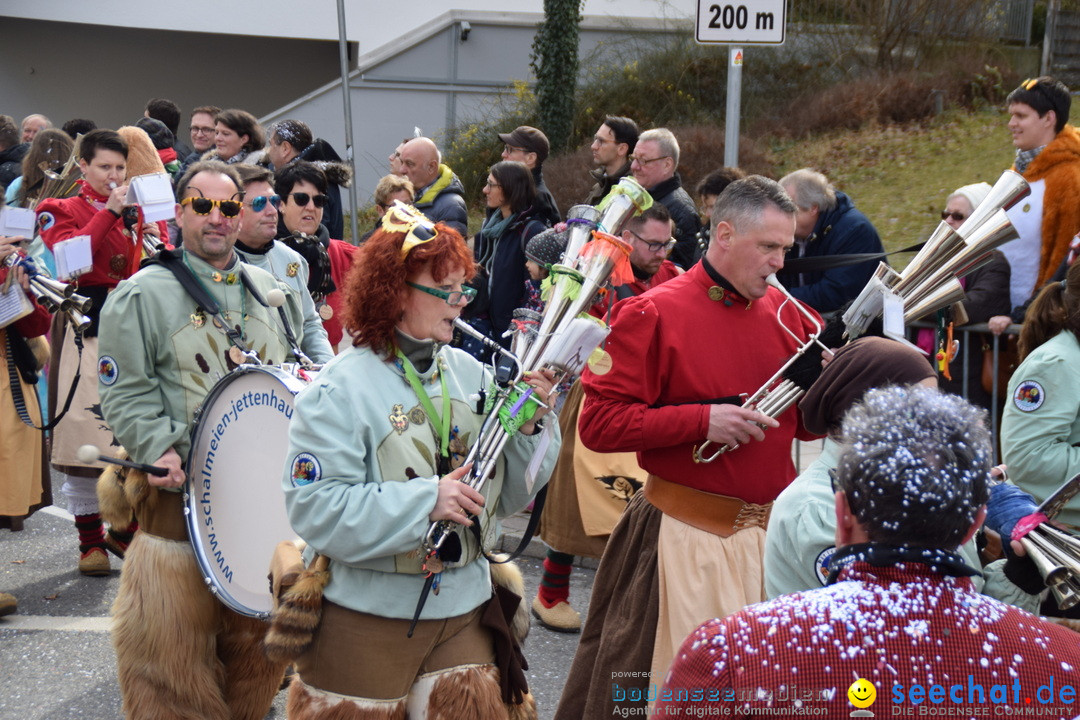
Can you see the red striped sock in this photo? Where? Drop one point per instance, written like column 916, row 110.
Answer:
column 91, row 531
column 555, row 584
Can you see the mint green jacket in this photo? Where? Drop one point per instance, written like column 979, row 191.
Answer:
column 158, row 355
column 1040, row 429
column 361, row 480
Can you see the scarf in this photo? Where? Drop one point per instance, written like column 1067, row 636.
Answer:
column 1024, row 158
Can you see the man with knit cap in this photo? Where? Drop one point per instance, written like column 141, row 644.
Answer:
column 439, row 193
column 1048, row 156
column 802, row 528
column 530, row 146
column 899, row 621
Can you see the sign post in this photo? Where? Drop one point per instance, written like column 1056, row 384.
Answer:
column 750, row 22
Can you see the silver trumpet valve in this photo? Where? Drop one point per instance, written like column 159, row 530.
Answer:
column 778, row 393
column 54, row 295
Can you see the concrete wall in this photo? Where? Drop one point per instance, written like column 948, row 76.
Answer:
column 65, row 70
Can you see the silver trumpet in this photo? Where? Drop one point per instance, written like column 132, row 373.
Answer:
column 561, row 341
column 54, row 295
column 778, row 393
column 1056, row 552
column 931, row 280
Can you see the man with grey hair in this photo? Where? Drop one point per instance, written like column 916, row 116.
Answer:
column 683, row 355
column 292, row 140
column 899, row 615
column 654, row 164
column 827, row 223
column 32, row 125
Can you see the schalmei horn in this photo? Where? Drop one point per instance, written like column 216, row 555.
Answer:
column 781, row 391
column 931, row 280
column 561, row 341
column 54, row 295
column 1055, row 552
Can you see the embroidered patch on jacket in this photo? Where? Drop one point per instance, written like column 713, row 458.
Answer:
column 107, row 369
column 305, row 470
column 292, row 269
column 45, row 221
column 1029, row 396
column 417, row 416
column 821, row 564
column 398, row 419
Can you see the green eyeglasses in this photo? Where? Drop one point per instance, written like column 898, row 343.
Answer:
column 452, row 297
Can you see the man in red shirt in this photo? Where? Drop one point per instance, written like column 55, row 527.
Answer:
column 94, row 212
column 899, row 623
column 689, row 546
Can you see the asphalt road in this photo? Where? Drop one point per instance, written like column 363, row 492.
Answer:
column 56, row 660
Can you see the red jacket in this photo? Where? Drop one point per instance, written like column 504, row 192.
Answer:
column 668, row 270
column 341, row 259
column 672, row 350
column 114, row 253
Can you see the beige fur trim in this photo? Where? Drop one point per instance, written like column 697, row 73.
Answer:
column 471, row 691
column 508, row 575
column 309, row 703
column 112, row 501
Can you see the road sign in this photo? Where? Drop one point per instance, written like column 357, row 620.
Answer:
column 750, row 22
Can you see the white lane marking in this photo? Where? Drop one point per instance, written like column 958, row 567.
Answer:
column 62, row 623
column 58, row 512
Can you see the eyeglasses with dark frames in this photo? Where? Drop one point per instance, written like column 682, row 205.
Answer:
column 665, row 245
column 645, row 161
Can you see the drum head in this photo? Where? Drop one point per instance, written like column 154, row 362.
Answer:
column 235, row 503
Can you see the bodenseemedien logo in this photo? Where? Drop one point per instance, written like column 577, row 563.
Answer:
column 862, row 695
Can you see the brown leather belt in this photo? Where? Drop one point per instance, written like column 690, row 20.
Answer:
column 717, row 514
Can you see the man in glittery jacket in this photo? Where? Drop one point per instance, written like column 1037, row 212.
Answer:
column 899, row 623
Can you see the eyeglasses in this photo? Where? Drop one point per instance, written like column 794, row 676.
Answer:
column 302, row 199
column 510, row 149
column 258, row 203
column 202, row 130
column 452, row 297
column 601, row 141
column 958, row 217
column 665, row 245
column 490, row 184
column 203, row 206
column 643, row 161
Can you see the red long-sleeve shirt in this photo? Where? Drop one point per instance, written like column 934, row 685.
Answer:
column 674, row 348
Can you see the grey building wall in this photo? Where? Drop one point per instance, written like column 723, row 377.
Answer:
column 67, row 70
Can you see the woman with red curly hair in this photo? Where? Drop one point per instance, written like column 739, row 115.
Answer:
column 376, row 451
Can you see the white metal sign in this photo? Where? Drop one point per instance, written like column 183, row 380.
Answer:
column 750, row 22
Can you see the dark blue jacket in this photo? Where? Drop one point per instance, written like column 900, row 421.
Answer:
column 505, row 263
column 840, row 231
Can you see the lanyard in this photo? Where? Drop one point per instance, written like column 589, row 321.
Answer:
column 442, row 422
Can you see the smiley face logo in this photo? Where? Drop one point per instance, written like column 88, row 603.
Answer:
column 862, row 693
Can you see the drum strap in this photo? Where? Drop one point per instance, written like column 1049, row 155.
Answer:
column 173, row 261
column 289, row 335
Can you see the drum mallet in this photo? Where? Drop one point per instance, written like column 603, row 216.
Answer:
column 90, row 453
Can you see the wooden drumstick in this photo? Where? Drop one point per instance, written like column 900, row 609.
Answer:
column 90, row 453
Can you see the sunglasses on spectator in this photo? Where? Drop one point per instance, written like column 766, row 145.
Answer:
column 203, row 206
column 452, row 297
column 303, row 199
column 258, row 203
column 958, row 217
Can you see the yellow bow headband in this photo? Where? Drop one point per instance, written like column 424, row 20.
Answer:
column 402, row 218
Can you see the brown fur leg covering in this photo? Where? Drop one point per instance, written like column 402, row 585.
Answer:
column 251, row 679
column 112, row 501
column 465, row 692
column 508, row 575
column 165, row 624
column 308, row 703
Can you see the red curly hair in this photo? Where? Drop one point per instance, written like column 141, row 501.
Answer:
column 375, row 288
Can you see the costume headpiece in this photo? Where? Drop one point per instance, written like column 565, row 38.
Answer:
column 402, row 218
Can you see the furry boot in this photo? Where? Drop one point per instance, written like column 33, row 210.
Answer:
column 309, row 703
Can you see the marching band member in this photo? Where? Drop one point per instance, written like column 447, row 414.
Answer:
column 180, row 653
column 95, row 211
column 376, row 447
column 24, row 477
column 689, row 547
